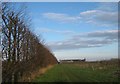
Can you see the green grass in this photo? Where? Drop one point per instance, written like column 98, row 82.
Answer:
column 77, row 73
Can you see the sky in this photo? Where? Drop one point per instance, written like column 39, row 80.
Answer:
column 76, row 29
column 60, row 0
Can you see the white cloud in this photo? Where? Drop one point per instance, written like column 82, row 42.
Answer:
column 111, row 34
column 100, row 17
column 61, row 17
column 88, row 13
column 88, row 40
column 46, row 30
column 106, row 14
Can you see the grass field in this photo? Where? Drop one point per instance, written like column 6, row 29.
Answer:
column 81, row 72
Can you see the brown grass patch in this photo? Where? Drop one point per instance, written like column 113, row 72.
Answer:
column 33, row 75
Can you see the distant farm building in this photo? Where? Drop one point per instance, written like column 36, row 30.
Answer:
column 72, row 60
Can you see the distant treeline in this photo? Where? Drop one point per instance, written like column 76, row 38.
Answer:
column 22, row 51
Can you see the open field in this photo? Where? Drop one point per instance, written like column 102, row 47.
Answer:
column 81, row 72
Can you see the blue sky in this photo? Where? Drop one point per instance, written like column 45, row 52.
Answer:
column 77, row 30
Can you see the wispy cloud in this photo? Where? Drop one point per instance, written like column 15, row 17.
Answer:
column 61, row 17
column 47, row 30
column 108, row 34
column 104, row 15
column 93, row 39
column 99, row 17
column 105, row 18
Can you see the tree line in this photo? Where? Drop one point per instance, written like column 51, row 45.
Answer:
column 22, row 51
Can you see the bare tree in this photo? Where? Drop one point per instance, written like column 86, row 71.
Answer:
column 22, row 51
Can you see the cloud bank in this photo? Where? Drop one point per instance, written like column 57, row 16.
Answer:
column 88, row 40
